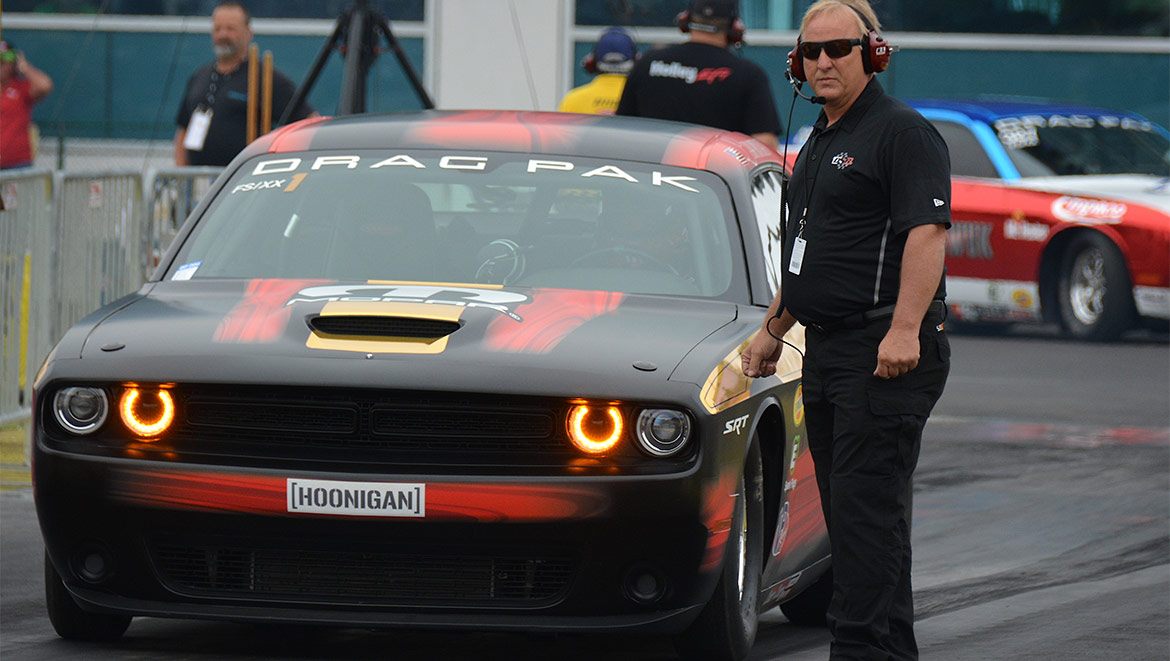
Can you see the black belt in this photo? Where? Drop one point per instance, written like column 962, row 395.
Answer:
column 863, row 319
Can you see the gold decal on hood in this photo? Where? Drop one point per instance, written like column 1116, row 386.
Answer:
column 384, row 344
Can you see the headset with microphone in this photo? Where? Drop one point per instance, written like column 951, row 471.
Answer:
column 686, row 23
column 875, row 57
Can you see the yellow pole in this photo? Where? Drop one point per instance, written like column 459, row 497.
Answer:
column 266, row 95
column 253, row 64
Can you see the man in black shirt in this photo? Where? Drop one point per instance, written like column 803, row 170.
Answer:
column 863, row 270
column 212, row 118
column 701, row 82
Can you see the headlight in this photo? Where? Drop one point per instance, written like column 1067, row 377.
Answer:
column 595, row 429
column 81, row 410
column 663, row 432
column 145, row 412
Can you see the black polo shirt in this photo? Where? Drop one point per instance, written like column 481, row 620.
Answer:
column 227, row 95
column 701, row 84
column 861, row 185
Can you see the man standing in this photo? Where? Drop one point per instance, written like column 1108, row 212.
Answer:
column 611, row 59
column 21, row 86
column 213, row 115
column 701, row 82
column 863, row 271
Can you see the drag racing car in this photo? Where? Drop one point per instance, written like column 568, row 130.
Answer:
column 467, row 370
column 1061, row 215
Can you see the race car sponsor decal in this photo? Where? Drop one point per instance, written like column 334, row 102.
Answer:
column 784, row 587
column 735, row 425
column 262, row 315
column 970, row 239
column 1018, row 229
column 213, row 490
column 798, row 408
column 781, row 531
column 727, row 385
column 1022, row 298
column 377, row 291
column 1089, row 211
column 549, row 316
column 385, row 499
column 448, row 162
column 187, row 270
column 795, row 455
column 384, row 344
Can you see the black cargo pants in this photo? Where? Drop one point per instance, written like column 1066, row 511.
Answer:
column 864, row 435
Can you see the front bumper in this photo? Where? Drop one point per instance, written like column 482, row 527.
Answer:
column 565, row 553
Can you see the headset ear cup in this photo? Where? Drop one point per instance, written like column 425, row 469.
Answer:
column 878, row 52
column 683, row 20
column 735, row 34
column 589, row 63
column 796, row 63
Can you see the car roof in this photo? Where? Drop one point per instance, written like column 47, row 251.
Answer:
column 533, row 132
column 990, row 110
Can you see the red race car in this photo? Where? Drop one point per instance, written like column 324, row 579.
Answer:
column 1061, row 214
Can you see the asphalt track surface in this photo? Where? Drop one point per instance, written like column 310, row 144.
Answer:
column 1042, row 531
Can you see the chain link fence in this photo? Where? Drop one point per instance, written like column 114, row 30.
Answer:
column 71, row 242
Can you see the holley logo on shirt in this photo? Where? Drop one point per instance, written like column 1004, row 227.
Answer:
column 710, row 75
column 842, row 160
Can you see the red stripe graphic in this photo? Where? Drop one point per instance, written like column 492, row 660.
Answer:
column 548, row 319
column 262, row 314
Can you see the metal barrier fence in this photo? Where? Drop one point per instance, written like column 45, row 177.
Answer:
column 72, row 242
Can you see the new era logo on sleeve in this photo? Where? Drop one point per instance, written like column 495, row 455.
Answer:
column 938, row 202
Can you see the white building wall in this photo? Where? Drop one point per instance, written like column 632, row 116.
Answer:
column 509, row 54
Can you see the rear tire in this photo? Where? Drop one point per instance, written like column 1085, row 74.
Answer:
column 1095, row 295
column 726, row 628
column 69, row 620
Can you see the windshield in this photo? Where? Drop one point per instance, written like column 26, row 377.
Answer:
column 509, row 219
column 1042, row 146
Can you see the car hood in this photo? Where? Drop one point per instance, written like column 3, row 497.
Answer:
column 409, row 335
column 1147, row 190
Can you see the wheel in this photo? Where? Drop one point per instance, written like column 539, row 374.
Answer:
column 810, row 606
column 69, row 620
column 1096, row 300
column 644, row 259
column 726, row 628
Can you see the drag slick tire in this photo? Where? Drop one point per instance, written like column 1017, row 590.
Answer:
column 69, row 620
column 1096, row 298
column 726, row 628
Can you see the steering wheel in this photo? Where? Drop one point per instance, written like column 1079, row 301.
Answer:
column 649, row 261
column 503, row 262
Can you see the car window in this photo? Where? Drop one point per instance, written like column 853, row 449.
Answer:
column 469, row 217
column 1079, row 144
column 968, row 157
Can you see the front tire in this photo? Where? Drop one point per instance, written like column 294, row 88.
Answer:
column 1096, row 299
column 69, row 620
column 726, row 628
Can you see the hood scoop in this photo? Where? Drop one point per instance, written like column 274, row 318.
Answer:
column 379, row 326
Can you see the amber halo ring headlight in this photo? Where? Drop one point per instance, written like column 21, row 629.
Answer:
column 663, row 432
column 147, row 412
column 595, row 429
column 81, row 410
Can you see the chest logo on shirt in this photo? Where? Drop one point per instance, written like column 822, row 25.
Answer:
column 842, row 160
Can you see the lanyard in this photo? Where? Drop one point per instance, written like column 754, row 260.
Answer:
column 809, row 188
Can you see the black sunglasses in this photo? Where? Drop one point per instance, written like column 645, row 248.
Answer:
column 835, row 48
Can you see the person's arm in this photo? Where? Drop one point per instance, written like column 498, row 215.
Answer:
column 39, row 82
column 180, row 150
column 762, row 354
column 922, row 268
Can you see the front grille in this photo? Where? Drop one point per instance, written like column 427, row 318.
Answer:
column 431, row 577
